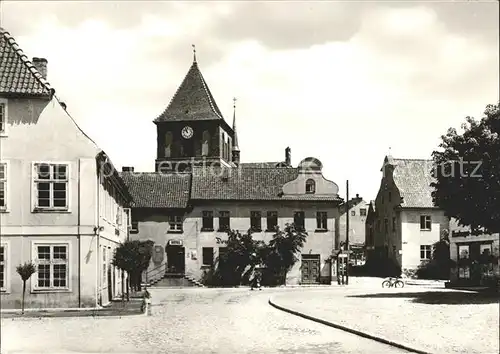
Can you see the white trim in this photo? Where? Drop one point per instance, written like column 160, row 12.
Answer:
column 7, row 185
column 7, row 267
column 5, row 132
column 34, row 257
column 34, row 208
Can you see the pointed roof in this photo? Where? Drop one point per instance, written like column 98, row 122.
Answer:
column 235, row 138
column 18, row 76
column 192, row 100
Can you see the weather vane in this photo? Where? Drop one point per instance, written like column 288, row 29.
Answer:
column 234, row 102
column 194, row 52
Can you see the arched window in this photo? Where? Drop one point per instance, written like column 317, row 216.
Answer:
column 205, row 144
column 168, row 144
column 310, row 186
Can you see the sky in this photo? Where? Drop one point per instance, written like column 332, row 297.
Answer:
column 346, row 82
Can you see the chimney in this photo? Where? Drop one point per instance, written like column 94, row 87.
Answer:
column 127, row 169
column 41, row 65
column 288, row 156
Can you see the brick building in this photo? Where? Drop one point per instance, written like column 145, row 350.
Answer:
column 201, row 189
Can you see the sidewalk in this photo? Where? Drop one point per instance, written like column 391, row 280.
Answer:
column 115, row 309
column 431, row 320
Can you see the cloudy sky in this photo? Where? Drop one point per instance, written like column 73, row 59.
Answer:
column 340, row 81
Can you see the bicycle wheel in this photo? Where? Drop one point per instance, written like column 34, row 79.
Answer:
column 386, row 284
column 399, row 284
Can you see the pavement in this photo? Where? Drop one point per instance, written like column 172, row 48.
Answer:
column 195, row 320
column 424, row 318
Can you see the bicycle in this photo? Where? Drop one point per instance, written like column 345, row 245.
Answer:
column 393, row 283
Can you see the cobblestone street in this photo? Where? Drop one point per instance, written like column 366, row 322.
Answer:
column 188, row 321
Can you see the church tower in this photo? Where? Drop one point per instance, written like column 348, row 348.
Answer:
column 192, row 131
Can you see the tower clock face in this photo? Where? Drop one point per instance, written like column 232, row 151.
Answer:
column 187, row 132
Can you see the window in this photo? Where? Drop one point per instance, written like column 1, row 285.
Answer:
column 299, row 220
column 104, row 266
column 52, row 264
column 321, row 220
column 208, row 256
column 463, row 251
column 485, row 249
column 386, row 225
column 425, row 252
column 362, row 212
column 393, row 223
column 51, row 186
column 3, row 268
column 3, row 186
column 168, row 144
column 353, row 212
column 205, row 145
column 256, row 221
column 134, row 227
column 310, row 186
column 224, row 224
column 463, row 270
column 425, row 222
column 3, row 117
column 207, row 221
column 378, row 226
column 175, row 222
column 393, row 249
column 272, row 220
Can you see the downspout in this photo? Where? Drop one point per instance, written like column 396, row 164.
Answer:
column 79, row 239
column 97, row 235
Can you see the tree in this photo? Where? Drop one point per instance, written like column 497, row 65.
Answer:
column 235, row 263
column 467, row 172
column 25, row 270
column 281, row 253
column 133, row 257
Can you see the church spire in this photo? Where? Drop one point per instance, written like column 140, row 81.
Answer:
column 235, row 140
column 236, row 148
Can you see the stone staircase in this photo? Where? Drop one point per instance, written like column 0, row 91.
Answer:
column 174, row 281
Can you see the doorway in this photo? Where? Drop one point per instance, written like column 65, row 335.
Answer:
column 176, row 263
column 310, row 269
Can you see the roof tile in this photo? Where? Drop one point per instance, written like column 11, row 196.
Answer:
column 17, row 74
column 413, row 178
column 158, row 190
column 246, row 184
column 192, row 101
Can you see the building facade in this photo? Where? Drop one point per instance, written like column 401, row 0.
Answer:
column 62, row 205
column 357, row 209
column 403, row 220
column 200, row 190
column 475, row 254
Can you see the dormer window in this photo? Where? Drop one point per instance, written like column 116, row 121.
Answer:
column 310, row 186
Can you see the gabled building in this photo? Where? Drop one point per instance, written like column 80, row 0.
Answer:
column 371, row 217
column 357, row 209
column 201, row 189
column 405, row 221
column 61, row 201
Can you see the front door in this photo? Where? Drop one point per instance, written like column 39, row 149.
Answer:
column 310, row 269
column 175, row 259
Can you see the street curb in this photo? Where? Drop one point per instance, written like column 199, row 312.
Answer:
column 350, row 330
column 97, row 317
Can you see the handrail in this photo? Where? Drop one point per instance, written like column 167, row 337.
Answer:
column 153, row 273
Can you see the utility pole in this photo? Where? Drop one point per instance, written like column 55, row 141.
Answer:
column 347, row 234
